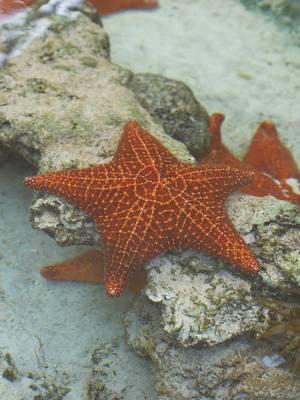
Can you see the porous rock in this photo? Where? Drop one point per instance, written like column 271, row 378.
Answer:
column 230, row 371
column 209, row 306
column 272, row 228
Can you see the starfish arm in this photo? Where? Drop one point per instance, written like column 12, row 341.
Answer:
column 87, row 267
column 277, row 161
column 131, row 239
column 105, row 7
column 138, row 149
column 91, row 189
column 214, row 181
column 218, row 238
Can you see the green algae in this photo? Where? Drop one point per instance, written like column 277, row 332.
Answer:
column 88, row 61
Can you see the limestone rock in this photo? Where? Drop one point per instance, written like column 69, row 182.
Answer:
column 203, row 307
column 228, row 371
column 271, row 226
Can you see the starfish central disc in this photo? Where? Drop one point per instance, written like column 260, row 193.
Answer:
column 151, row 187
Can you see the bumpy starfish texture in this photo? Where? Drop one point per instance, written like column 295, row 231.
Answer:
column 275, row 171
column 145, row 202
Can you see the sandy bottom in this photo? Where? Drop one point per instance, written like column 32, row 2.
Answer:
column 236, row 62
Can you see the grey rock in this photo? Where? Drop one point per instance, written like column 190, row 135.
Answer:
column 232, row 370
column 172, row 104
column 4, row 154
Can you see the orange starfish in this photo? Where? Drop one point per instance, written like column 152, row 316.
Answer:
column 145, row 202
column 275, row 171
column 12, row 5
column 88, row 267
column 105, row 7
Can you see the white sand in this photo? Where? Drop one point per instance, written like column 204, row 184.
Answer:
column 235, row 62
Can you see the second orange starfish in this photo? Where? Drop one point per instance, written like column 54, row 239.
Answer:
column 105, row 7
column 275, row 171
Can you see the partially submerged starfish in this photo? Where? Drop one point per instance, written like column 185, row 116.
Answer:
column 12, row 5
column 275, row 171
column 88, row 267
column 105, row 7
column 146, row 202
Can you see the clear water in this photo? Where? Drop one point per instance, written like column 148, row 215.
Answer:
column 237, row 61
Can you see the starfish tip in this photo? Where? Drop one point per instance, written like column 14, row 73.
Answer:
column 112, row 289
column 268, row 126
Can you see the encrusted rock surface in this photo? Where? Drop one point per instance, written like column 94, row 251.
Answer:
column 233, row 370
column 202, row 307
column 272, row 227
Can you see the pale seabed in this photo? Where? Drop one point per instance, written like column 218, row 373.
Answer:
column 212, row 46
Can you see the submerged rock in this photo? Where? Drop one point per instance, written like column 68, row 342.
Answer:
column 192, row 300
column 198, row 307
column 227, row 371
column 286, row 12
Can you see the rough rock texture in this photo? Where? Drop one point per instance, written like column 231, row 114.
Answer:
column 272, row 227
column 63, row 105
column 202, row 307
column 171, row 104
column 230, row 371
column 202, row 302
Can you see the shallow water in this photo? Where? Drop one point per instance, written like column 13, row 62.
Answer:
column 236, row 61
column 48, row 327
